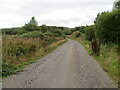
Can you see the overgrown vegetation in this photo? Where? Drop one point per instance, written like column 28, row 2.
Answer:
column 33, row 34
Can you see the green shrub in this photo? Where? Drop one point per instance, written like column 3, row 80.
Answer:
column 48, row 41
column 68, row 31
column 107, row 27
column 77, row 34
column 15, row 49
column 33, row 34
column 49, row 34
column 10, row 69
column 13, row 31
column 57, row 33
column 89, row 33
column 90, row 52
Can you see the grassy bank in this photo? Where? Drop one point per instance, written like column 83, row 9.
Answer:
column 19, row 52
column 108, row 57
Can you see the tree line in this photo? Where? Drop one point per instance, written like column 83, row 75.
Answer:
column 32, row 28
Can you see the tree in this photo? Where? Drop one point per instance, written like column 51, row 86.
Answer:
column 107, row 26
column 32, row 25
column 33, row 21
column 116, row 5
column 89, row 33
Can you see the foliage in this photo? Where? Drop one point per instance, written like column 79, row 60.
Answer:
column 116, row 5
column 33, row 21
column 13, row 31
column 90, row 52
column 80, row 28
column 10, row 69
column 68, row 31
column 106, row 26
column 76, row 34
column 19, row 46
column 32, row 25
column 33, row 34
column 44, row 28
column 89, row 33
column 49, row 34
column 58, row 33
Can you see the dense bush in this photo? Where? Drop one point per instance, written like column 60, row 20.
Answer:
column 44, row 28
column 19, row 46
column 31, row 29
column 107, row 26
column 49, row 34
column 17, row 51
column 32, row 25
column 80, row 28
column 58, row 33
column 49, row 40
column 33, row 34
column 89, row 33
column 13, row 31
column 76, row 34
column 68, row 31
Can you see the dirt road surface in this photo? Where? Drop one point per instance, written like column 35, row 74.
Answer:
column 69, row 66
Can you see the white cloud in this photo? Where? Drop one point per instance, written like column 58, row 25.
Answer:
column 70, row 13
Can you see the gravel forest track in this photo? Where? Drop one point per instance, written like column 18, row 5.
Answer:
column 69, row 66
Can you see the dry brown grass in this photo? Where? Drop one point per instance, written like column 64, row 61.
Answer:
column 18, row 52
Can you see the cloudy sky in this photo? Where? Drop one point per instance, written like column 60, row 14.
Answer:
column 68, row 13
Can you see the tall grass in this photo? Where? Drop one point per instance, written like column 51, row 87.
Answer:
column 17, row 52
